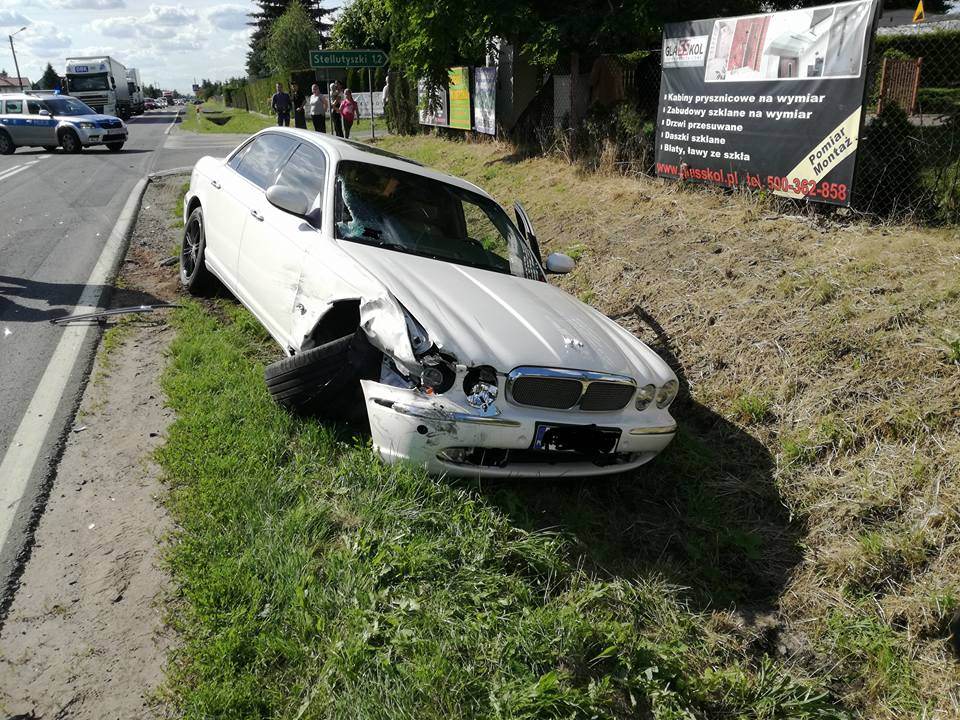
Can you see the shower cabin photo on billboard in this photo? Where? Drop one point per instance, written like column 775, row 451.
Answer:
column 824, row 42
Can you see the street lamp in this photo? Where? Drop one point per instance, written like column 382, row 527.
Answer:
column 15, row 65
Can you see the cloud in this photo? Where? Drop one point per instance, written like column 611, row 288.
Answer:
column 11, row 18
column 90, row 4
column 120, row 27
column 169, row 15
column 45, row 37
column 180, row 43
column 229, row 17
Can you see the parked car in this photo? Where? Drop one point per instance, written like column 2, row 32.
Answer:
column 150, row 104
column 51, row 121
column 409, row 297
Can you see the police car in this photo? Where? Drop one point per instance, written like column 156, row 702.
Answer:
column 52, row 121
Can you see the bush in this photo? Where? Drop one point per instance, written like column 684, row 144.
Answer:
column 888, row 180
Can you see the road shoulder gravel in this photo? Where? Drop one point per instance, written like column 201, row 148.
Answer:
column 86, row 636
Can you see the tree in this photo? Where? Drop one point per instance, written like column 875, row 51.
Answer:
column 362, row 24
column 292, row 36
column 49, row 80
column 268, row 12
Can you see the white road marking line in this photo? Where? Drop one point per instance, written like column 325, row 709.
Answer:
column 12, row 171
column 27, row 443
column 172, row 123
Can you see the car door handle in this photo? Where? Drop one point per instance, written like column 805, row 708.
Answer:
column 215, row 184
column 257, row 215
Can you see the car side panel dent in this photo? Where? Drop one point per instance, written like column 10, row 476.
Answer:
column 381, row 316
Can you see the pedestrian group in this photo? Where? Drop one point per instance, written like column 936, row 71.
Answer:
column 339, row 103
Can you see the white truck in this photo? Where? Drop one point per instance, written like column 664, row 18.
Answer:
column 135, row 88
column 100, row 82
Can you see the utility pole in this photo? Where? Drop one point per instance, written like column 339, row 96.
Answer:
column 16, row 67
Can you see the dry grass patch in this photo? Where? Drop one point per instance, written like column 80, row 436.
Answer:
column 822, row 371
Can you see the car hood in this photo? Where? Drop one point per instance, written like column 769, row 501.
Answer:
column 94, row 118
column 490, row 318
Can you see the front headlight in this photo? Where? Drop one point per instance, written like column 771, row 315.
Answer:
column 645, row 396
column 667, row 394
column 86, row 125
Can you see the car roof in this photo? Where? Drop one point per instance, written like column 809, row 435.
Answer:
column 341, row 149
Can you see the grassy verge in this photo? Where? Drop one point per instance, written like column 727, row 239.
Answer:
column 240, row 121
column 817, row 475
column 318, row 583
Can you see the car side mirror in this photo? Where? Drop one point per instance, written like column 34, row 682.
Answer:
column 559, row 264
column 288, row 200
column 45, row 112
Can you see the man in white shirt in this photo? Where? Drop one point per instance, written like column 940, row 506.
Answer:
column 317, row 108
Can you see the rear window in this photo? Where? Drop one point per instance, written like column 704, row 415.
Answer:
column 13, row 106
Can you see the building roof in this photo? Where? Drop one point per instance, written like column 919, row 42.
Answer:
column 11, row 81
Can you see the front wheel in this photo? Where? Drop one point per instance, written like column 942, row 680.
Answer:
column 70, row 142
column 115, row 146
column 194, row 276
column 6, row 144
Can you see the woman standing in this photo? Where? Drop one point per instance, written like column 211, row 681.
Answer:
column 349, row 111
column 334, row 99
column 317, row 106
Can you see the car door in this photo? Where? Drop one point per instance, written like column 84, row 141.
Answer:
column 235, row 188
column 275, row 243
column 526, row 228
column 43, row 126
column 15, row 122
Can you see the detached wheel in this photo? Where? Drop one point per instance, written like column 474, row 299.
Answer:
column 6, row 144
column 325, row 380
column 115, row 147
column 70, row 142
column 194, row 276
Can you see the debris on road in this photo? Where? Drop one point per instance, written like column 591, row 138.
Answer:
column 100, row 315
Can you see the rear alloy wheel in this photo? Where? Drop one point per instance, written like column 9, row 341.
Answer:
column 115, row 147
column 70, row 142
column 325, row 380
column 6, row 144
column 194, row 275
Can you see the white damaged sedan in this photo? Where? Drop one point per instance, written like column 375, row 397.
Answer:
column 409, row 297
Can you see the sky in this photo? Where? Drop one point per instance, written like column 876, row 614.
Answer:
column 172, row 44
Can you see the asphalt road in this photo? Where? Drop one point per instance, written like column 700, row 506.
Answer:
column 56, row 213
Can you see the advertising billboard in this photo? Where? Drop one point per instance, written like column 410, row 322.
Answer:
column 485, row 100
column 771, row 101
column 431, row 104
column 459, row 90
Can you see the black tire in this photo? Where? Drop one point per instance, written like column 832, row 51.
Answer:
column 70, row 142
column 50, row 148
column 6, row 144
column 194, row 276
column 325, row 380
column 115, row 147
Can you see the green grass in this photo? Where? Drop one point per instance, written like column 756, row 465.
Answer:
column 248, row 123
column 318, row 583
column 240, row 121
column 178, row 208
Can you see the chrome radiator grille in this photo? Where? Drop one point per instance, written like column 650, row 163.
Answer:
column 558, row 389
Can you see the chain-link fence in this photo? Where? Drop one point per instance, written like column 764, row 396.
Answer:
column 908, row 161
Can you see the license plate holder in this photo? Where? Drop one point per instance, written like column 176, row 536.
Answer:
column 584, row 439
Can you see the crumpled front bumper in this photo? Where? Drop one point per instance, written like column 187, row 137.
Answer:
column 407, row 425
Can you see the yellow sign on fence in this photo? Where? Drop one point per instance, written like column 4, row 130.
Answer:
column 460, row 116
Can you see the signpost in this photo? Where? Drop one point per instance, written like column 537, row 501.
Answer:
column 369, row 59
